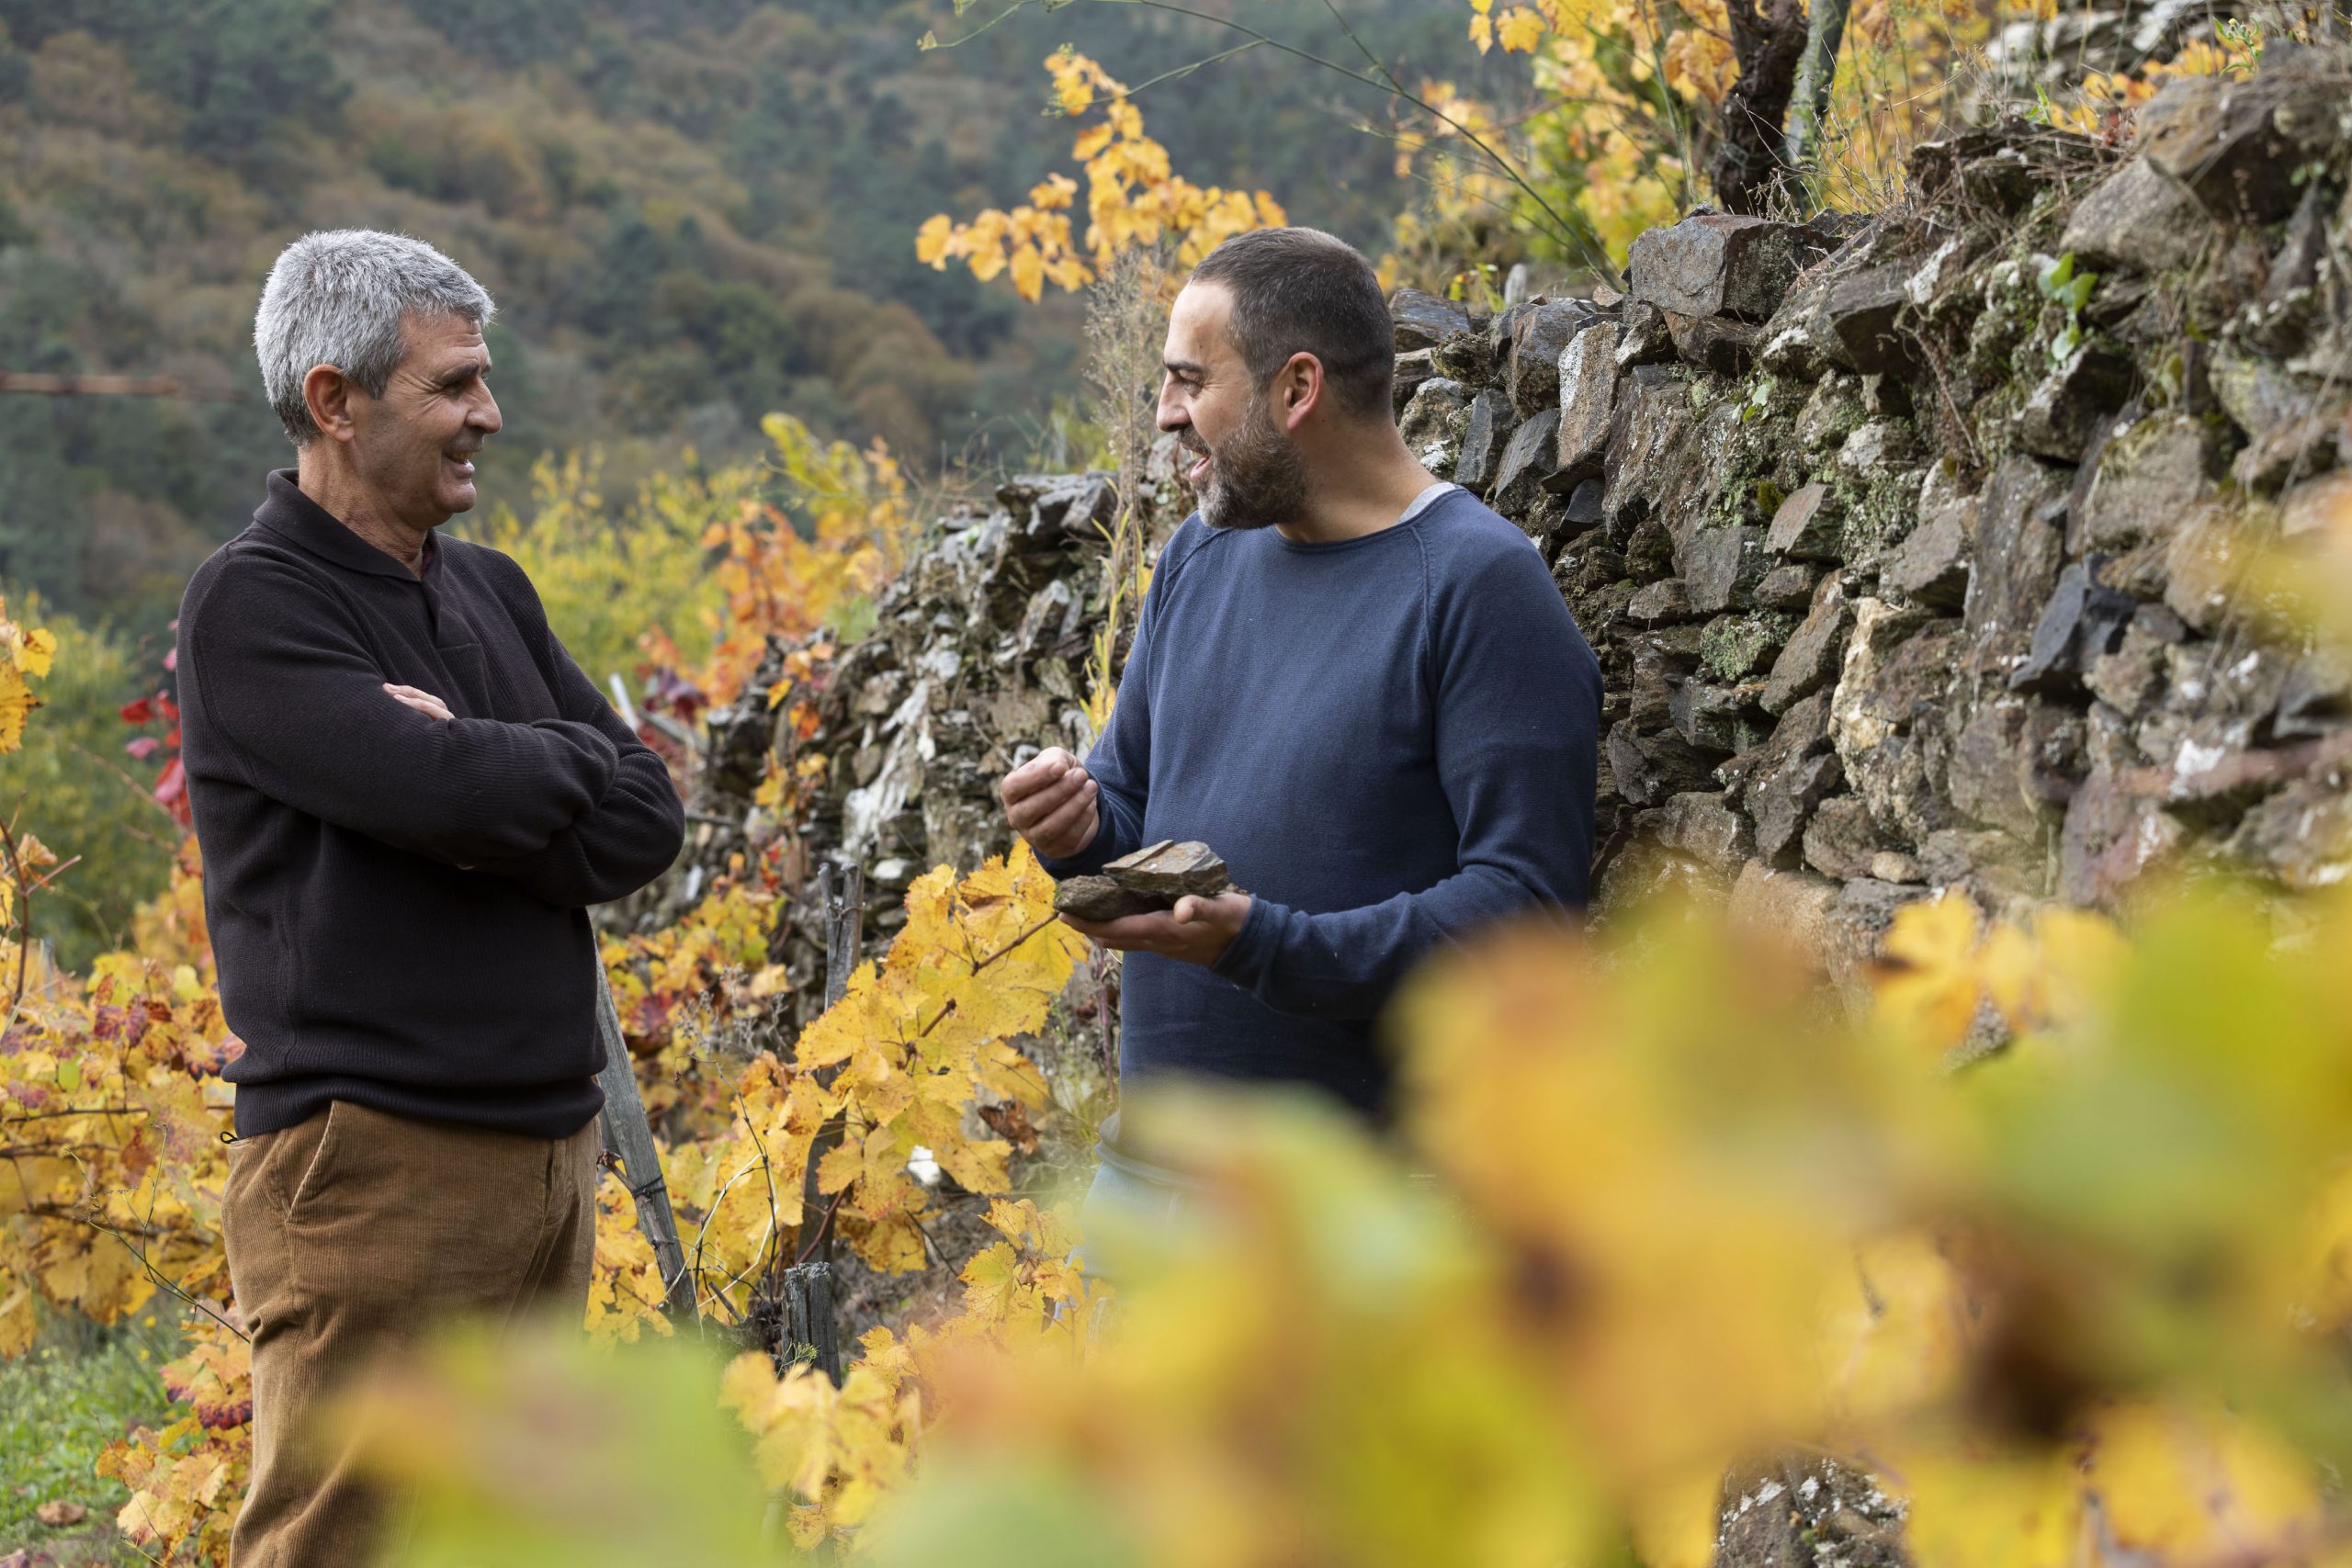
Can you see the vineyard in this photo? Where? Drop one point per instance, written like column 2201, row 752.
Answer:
column 1938, row 1148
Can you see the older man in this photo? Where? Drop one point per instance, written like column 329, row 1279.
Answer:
column 1356, row 683
column 408, row 794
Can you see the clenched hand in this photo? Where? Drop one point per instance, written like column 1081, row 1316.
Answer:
column 1051, row 802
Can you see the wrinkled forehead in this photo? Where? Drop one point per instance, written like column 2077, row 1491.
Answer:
column 1197, row 325
column 438, row 341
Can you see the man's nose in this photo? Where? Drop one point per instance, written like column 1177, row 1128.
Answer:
column 484, row 416
column 1171, row 414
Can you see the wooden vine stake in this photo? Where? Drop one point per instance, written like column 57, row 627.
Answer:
column 630, row 1138
column 809, row 1281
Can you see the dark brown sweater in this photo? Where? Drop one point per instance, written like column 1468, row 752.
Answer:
column 398, row 903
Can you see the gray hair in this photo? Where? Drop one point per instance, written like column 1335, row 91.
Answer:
column 338, row 297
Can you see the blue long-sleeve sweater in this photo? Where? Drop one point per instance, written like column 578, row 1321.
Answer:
column 1392, row 740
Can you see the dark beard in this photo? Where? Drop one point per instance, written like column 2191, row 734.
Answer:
column 1255, row 477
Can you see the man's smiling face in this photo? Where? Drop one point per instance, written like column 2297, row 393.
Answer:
column 1246, row 469
column 416, row 443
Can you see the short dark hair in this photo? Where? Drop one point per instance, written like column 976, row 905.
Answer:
column 1302, row 290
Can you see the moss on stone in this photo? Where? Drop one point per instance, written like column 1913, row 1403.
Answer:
column 1876, row 515
column 1734, row 647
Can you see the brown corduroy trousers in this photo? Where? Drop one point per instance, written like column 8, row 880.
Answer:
column 352, row 1235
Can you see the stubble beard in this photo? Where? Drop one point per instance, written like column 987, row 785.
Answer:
column 1256, row 479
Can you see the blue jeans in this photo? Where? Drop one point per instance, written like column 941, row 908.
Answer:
column 1126, row 1195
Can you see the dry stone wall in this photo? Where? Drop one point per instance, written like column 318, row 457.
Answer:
column 1919, row 552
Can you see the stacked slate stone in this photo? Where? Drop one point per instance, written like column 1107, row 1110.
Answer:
column 975, row 661
column 1919, row 551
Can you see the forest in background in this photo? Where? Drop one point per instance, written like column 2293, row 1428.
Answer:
column 693, row 213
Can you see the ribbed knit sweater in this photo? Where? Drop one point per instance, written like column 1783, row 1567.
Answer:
column 398, row 903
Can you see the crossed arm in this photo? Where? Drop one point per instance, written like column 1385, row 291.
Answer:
column 574, row 809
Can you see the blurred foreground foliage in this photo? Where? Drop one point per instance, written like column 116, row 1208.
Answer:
column 2080, row 1299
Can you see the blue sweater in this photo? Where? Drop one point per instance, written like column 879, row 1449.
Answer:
column 1392, row 740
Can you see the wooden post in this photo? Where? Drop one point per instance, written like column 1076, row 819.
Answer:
column 844, row 905
column 809, row 1318
column 628, row 1135
column 803, row 1277
column 54, row 386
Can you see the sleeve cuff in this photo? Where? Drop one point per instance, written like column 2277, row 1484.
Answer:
column 1249, row 957
column 1090, row 860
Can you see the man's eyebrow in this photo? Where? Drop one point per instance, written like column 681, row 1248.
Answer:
column 457, row 375
column 1181, row 367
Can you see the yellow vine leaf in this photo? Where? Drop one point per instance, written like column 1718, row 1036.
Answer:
column 1519, row 30
column 1975, row 1506
column 2190, row 1483
column 1938, row 964
column 1927, row 984
column 915, row 1036
column 25, row 651
column 1893, row 1329
column 2325, row 1300
column 624, row 1294
column 1133, row 198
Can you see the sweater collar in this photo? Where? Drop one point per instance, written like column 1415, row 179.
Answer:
column 295, row 516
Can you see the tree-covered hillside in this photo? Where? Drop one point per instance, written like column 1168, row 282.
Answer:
column 692, row 212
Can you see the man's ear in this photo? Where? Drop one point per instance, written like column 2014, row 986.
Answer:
column 328, row 392
column 1298, row 388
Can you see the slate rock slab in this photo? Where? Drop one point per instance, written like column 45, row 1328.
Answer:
column 1413, row 370
column 1719, row 344
column 1153, row 878
column 1647, row 442
column 1860, row 311
column 1099, row 898
column 1170, row 870
column 1537, row 340
column 1650, row 766
column 1804, row 528
column 1930, row 567
column 2018, row 550
column 1643, row 337
column 2235, row 144
column 1720, row 264
column 2083, row 621
column 2062, row 412
column 2139, row 220
column 2143, row 475
column 1719, row 565
column 1484, row 440
column 1433, row 423
column 1424, row 321
column 1586, row 378
column 1812, row 656
column 1528, row 464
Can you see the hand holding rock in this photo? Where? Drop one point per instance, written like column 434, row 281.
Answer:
column 1152, row 880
